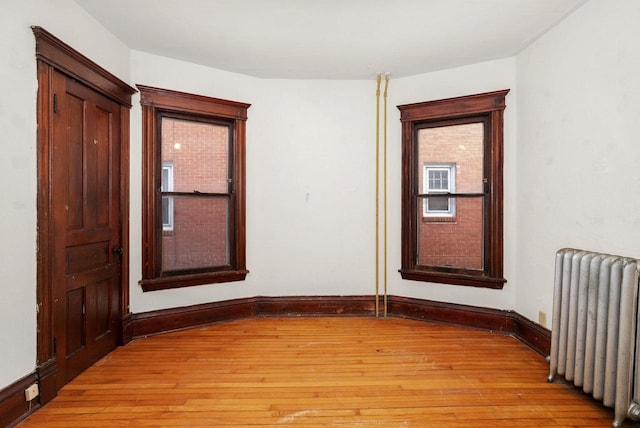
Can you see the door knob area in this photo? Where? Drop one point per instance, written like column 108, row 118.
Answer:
column 118, row 250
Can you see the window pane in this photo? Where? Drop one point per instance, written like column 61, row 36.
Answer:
column 459, row 145
column 167, row 211
column 437, row 205
column 167, row 201
column 199, row 153
column 165, row 186
column 438, row 179
column 200, row 234
column 455, row 243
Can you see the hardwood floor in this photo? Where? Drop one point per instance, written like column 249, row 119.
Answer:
column 321, row 372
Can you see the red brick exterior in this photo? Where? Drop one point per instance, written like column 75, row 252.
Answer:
column 199, row 155
column 453, row 241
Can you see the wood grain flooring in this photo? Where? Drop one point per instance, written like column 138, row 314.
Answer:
column 321, row 372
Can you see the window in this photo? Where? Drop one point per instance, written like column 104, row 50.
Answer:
column 452, row 207
column 193, row 215
column 166, row 185
column 439, row 179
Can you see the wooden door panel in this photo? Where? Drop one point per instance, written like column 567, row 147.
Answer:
column 75, row 336
column 75, row 156
column 82, row 258
column 82, row 236
column 101, row 155
column 100, row 305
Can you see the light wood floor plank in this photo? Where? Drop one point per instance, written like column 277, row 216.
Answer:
column 321, row 372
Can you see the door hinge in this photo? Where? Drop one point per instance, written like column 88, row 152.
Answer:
column 55, row 103
column 55, row 347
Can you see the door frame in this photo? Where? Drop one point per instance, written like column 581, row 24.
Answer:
column 54, row 55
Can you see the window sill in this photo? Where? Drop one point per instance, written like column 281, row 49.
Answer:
column 439, row 219
column 178, row 281
column 470, row 280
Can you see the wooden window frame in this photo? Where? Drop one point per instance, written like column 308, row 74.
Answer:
column 490, row 107
column 156, row 103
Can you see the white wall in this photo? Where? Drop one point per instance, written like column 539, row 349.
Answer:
column 310, row 183
column 18, row 86
column 578, row 154
column 478, row 78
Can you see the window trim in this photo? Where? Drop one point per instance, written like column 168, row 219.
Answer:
column 489, row 105
column 155, row 103
column 451, row 171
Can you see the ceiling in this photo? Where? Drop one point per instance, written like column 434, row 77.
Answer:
column 330, row 39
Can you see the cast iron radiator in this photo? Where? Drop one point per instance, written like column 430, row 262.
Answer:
column 594, row 337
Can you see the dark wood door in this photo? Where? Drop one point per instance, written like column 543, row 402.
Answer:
column 86, row 214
